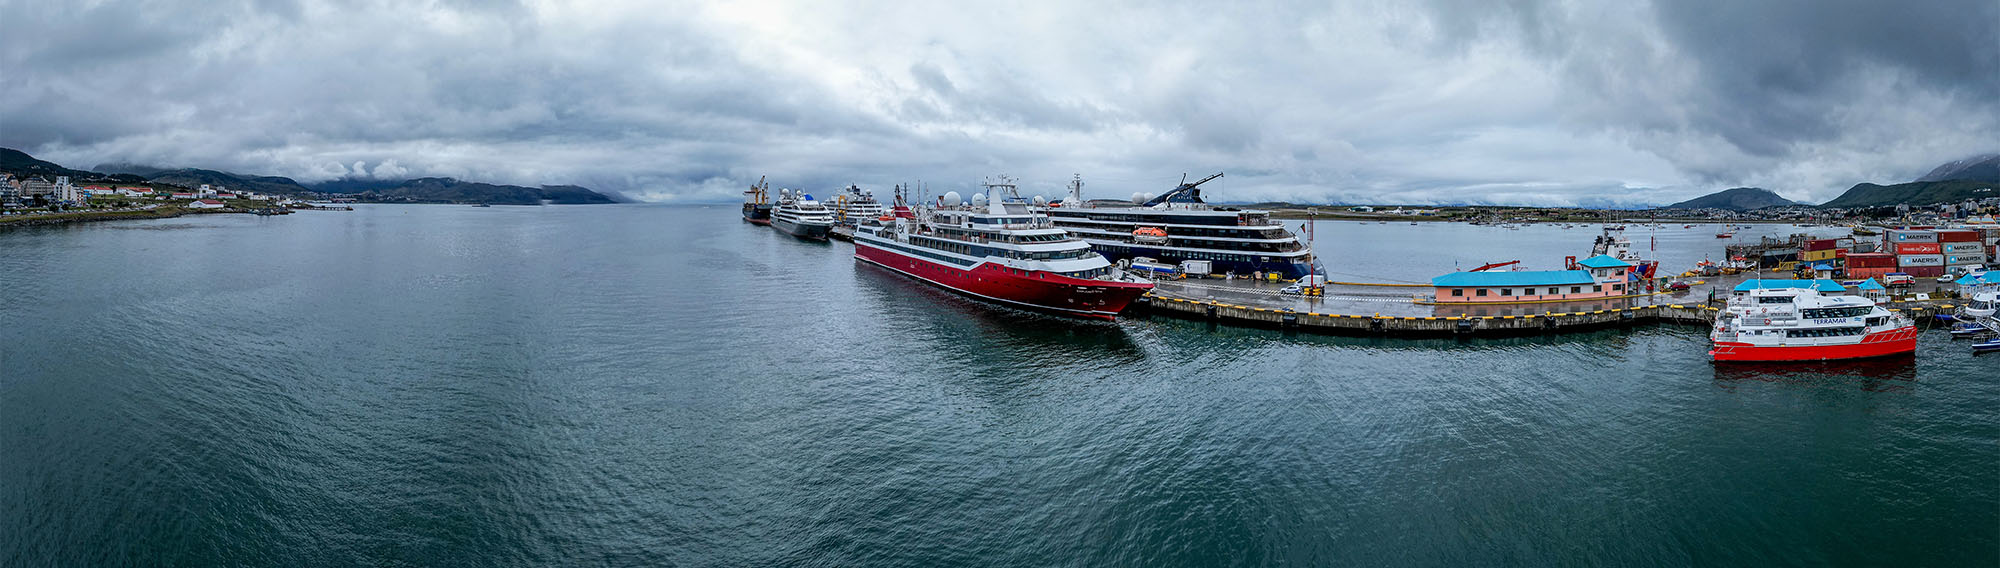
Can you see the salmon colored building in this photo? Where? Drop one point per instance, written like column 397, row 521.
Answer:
column 1599, row 276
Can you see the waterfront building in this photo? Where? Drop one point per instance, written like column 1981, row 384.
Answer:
column 1873, row 290
column 205, row 204
column 1599, row 276
column 35, row 186
column 184, row 195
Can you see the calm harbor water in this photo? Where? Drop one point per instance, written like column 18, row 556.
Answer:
column 649, row 385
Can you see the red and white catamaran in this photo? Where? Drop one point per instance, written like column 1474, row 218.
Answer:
column 1785, row 322
column 1001, row 250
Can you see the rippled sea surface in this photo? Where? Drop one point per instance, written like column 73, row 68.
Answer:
column 649, row 385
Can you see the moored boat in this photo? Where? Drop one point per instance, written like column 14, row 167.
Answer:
column 799, row 215
column 1792, row 320
column 756, row 208
column 1179, row 226
column 1000, row 250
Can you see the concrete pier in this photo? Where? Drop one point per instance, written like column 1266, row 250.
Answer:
column 1393, row 314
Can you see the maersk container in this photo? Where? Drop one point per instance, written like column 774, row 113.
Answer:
column 1958, row 259
column 1962, row 247
column 1909, row 260
column 1908, row 236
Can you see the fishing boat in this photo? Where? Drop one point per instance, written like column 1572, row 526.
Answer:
column 1179, row 226
column 1000, row 249
column 1987, row 346
column 799, row 215
column 1794, row 320
column 756, row 208
column 1725, row 235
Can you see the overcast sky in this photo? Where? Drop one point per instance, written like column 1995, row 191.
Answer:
column 1455, row 101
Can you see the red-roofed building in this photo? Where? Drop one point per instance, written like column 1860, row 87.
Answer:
column 205, row 204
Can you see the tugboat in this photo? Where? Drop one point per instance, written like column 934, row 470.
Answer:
column 755, row 208
column 1795, row 322
column 1000, row 249
column 1179, row 226
column 798, row 215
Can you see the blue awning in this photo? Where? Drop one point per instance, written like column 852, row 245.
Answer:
column 1988, row 277
column 1515, row 278
column 1870, row 284
column 1603, row 261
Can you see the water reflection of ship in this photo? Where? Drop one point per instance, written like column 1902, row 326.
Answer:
column 1882, row 374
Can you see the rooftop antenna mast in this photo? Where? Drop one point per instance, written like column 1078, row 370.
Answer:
column 1075, row 190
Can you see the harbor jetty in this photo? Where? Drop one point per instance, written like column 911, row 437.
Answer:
column 1364, row 309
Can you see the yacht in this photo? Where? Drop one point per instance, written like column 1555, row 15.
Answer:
column 1000, row 249
column 1178, row 226
column 1791, row 322
column 800, row 216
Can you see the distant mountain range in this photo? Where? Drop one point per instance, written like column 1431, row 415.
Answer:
column 421, row 190
column 1736, row 199
column 1977, row 177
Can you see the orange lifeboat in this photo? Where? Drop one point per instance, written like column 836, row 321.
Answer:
column 1149, row 235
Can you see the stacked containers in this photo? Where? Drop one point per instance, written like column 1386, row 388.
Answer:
column 1819, row 251
column 1962, row 249
column 1870, row 265
column 1917, row 252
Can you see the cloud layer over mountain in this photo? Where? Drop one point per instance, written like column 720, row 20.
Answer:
column 1418, row 102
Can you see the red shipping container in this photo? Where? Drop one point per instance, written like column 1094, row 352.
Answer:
column 1860, row 273
column 1924, row 271
column 1820, row 244
column 1919, row 248
column 1958, row 236
column 1871, row 260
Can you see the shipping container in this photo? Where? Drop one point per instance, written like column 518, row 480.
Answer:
column 1918, row 248
column 1953, row 248
column 1820, row 244
column 1909, row 260
column 1957, row 236
column 1813, row 255
column 1876, row 273
column 1925, row 271
column 1843, row 243
column 1956, row 259
column 1871, row 260
column 1903, row 236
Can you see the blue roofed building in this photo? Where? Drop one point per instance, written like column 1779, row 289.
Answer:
column 1822, row 285
column 1592, row 278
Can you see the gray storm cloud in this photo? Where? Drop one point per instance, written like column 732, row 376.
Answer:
column 1448, row 101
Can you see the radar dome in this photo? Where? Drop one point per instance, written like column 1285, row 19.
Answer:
column 951, row 199
column 978, row 199
column 1039, row 200
column 1138, row 197
column 1149, row 196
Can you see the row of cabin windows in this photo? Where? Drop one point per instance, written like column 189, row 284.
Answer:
column 976, row 250
column 1003, row 237
column 1225, row 232
column 1551, row 291
column 1829, row 313
column 1826, row 332
column 1175, row 219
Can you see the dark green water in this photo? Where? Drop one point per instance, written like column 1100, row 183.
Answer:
column 648, row 386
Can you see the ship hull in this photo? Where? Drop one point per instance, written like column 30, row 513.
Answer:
column 1286, row 268
column 809, row 231
column 1033, row 290
column 1881, row 344
column 757, row 213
